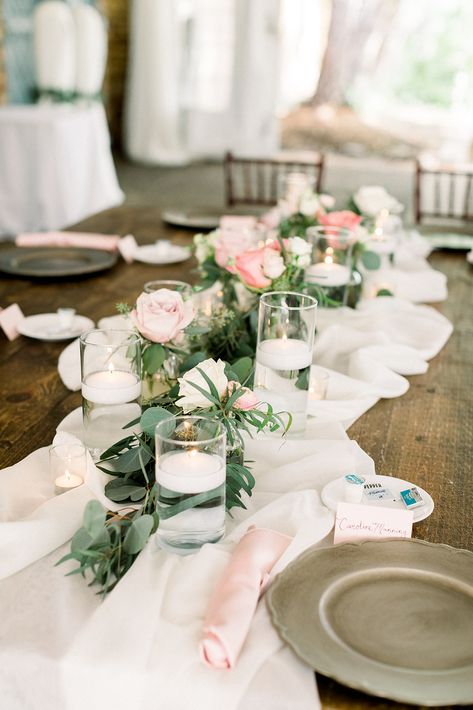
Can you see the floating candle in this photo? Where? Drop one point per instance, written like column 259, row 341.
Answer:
column 328, row 274
column 111, row 387
column 66, row 482
column 190, row 471
column 284, row 354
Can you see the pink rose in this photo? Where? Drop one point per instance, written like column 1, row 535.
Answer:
column 161, row 315
column 247, row 400
column 230, row 243
column 257, row 267
column 344, row 218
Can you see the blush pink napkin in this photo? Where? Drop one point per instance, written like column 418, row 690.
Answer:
column 231, row 221
column 234, row 600
column 106, row 242
column 10, row 319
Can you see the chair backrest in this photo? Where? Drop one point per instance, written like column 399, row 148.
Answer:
column 444, row 193
column 254, row 181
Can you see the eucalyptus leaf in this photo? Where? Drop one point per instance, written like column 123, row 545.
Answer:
column 193, row 360
column 370, row 260
column 132, row 460
column 151, row 417
column 94, row 518
column 119, row 490
column 138, row 534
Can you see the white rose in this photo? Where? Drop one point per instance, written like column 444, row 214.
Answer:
column 309, row 203
column 327, row 201
column 298, row 246
column 190, row 397
column 273, row 263
column 371, row 199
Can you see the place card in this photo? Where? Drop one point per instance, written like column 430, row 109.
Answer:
column 369, row 522
column 127, row 247
column 10, row 319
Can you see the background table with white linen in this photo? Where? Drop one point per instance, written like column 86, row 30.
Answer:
column 423, row 436
column 56, row 166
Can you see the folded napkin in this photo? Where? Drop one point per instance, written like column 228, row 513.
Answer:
column 106, row 242
column 230, row 221
column 233, row 602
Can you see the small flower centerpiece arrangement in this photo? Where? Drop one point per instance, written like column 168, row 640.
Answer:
column 108, row 544
column 165, row 322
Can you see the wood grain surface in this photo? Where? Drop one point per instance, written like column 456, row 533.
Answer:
column 425, row 436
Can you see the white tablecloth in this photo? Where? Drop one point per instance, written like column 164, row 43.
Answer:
column 56, row 166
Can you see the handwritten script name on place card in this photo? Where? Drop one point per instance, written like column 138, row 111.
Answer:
column 369, row 522
column 10, row 319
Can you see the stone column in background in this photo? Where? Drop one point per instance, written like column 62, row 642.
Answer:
column 116, row 13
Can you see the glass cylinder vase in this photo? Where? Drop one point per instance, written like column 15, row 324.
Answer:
column 330, row 271
column 190, row 480
column 286, row 329
column 111, row 385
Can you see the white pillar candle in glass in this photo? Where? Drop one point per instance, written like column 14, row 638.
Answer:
column 68, row 464
column 111, row 386
column 190, row 481
column 286, row 329
column 331, row 270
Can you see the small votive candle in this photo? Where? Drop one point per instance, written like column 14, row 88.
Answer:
column 68, row 465
column 318, row 383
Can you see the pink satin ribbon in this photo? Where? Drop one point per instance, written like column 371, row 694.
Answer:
column 106, row 242
column 234, row 600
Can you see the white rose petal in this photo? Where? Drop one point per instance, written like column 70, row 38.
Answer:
column 273, row 264
column 298, row 246
column 190, row 397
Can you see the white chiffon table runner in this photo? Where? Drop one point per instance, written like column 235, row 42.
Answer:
column 74, row 648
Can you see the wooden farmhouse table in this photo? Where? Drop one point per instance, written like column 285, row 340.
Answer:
column 425, row 436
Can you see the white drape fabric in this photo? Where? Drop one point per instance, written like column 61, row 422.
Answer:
column 198, row 86
column 70, row 47
column 139, row 648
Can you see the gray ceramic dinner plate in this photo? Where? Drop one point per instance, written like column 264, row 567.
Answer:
column 53, row 262
column 393, row 618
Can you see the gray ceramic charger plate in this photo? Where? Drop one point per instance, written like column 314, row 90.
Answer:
column 54, row 262
column 202, row 217
column 450, row 240
column 393, row 618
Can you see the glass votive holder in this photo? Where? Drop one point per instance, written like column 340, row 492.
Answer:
column 330, row 271
column 286, row 329
column 292, row 185
column 182, row 287
column 111, row 386
column 66, row 317
column 67, row 465
column 190, row 480
column 318, row 383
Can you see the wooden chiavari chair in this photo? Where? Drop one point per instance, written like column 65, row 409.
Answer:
column 444, row 195
column 254, row 181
